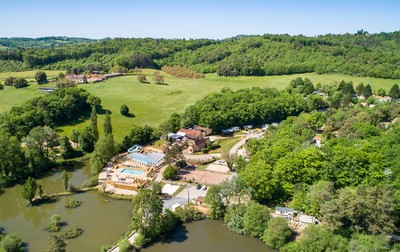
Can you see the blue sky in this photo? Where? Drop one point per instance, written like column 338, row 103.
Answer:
column 194, row 19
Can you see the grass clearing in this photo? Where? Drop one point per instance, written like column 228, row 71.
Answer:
column 226, row 144
column 151, row 103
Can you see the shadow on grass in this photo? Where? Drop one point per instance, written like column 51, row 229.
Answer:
column 130, row 115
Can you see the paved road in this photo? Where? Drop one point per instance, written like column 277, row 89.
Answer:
column 243, row 141
column 182, row 197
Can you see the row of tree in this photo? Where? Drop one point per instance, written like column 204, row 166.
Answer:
column 373, row 55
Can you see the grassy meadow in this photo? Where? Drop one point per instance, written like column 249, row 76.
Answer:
column 152, row 103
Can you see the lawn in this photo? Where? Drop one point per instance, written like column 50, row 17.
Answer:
column 152, row 103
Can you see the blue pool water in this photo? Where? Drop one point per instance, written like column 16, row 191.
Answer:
column 132, row 172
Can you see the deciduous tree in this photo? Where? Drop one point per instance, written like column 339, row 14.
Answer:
column 41, row 77
column 28, row 190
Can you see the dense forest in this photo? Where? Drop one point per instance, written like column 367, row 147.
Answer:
column 361, row 54
column 350, row 182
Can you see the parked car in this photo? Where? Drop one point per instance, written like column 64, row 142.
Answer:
column 204, row 188
column 198, row 186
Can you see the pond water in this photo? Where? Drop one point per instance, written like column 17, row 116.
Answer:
column 210, row 236
column 103, row 220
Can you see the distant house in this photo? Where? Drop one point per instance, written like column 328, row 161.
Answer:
column 47, row 89
column 206, row 131
column 76, row 78
column 307, row 219
column 284, row 211
column 190, row 133
column 199, row 201
column 95, row 78
column 197, row 145
column 317, row 141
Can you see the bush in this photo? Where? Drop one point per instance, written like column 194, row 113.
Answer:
column 10, row 243
column 55, row 224
column 41, row 77
column 72, row 203
column 1, row 86
column 189, row 213
column 93, row 181
column 277, row 234
column 170, row 173
column 72, row 233
column 20, row 83
column 9, row 81
column 124, row 110
column 124, row 246
column 141, row 78
column 141, row 240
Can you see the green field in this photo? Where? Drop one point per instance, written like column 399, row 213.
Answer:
column 151, row 103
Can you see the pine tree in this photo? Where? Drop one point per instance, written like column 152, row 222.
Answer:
column 107, row 124
column 93, row 123
column 394, row 92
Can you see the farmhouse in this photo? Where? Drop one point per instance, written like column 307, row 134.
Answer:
column 197, row 145
column 76, row 78
column 95, row 78
column 190, row 133
column 206, row 131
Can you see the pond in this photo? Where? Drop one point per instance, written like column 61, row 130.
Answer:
column 208, row 235
column 103, row 220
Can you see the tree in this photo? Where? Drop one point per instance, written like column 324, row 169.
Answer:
column 10, row 243
column 277, row 234
column 124, row 110
column 138, row 135
column 74, row 136
column 234, row 218
column 61, row 76
column 56, row 244
column 87, row 140
column 124, row 246
column 174, row 154
column 28, row 190
column 66, row 149
column 158, row 78
column 107, row 126
column 170, row 173
column 255, row 220
column 367, row 91
column 362, row 242
column 1, row 86
column 41, row 77
column 40, row 189
column 13, row 164
column 93, row 123
column 359, row 89
column 229, row 159
column 156, row 187
column 147, row 213
column 65, row 179
column 394, row 92
column 93, row 101
column 141, row 78
column 104, row 150
column 381, row 92
column 55, row 223
column 215, row 204
column 9, row 81
column 20, row 83
column 318, row 238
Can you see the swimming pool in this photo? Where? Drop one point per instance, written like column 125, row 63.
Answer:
column 132, row 172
